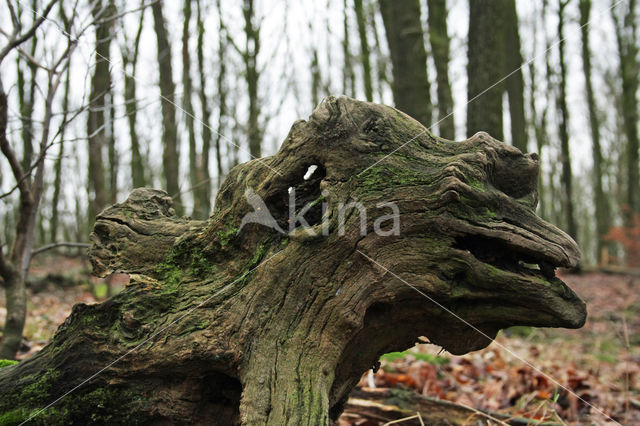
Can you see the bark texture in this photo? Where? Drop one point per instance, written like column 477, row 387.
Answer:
column 241, row 324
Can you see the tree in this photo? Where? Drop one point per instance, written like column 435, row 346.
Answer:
column 316, row 78
column 26, row 100
column 408, row 58
column 187, row 107
column 603, row 218
column 566, row 177
column 234, row 323
column 484, row 69
column 57, row 168
column 96, row 123
column 493, row 27
column 15, row 263
column 381, row 59
column 203, row 190
column 365, row 57
column 222, row 92
column 439, row 39
column 129, row 64
column 170, row 154
column 538, row 120
column 514, row 84
column 348, row 75
column 627, row 40
column 249, row 54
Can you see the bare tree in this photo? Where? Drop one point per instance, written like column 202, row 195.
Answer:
column 15, row 263
column 408, row 58
column 627, row 40
column 170, row 155
column 484, row 68
column 129, row 64
column 439, row 39
column 96, row 123
column 250, row 58
column 365, row 57
column 514, row 84
column 57, row 168
column 26, row 100
column 203, row 191
column 187, row 107
column 603, row 219
column 567, row 174
column 348, row 75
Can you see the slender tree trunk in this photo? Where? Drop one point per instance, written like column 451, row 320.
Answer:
column 187, row 106
column 626, row 36
column 171, row 145
column 328, row 27
column 27, row 100
column 14, row 267
column 222, row 88
column 514, row 84
column 316, row 79
column 381, row 60
column 11, row 269
column 113, row 156
column 250, row 56
column 567, row 175
column 484, row 68
column 130, row 62
column 57, row 167
column 439, row 39
column 96, row 130
column 348, row 75
column 603, row 220
column 408, row 58
column 551, row 189
column 365, row 57
column 203, row 192
column 26, row 103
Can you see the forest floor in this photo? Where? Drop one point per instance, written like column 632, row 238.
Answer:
column 564, row 376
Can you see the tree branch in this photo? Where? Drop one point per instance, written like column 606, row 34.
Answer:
column 18, row 40
column 59, row 244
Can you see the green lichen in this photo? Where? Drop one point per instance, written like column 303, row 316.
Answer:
column 14, row 417
column 477, row 184
column 258, row 254
column 93, row 406
column 226, row 234
column 7, row 362
column 384, row 176
column 40, row 389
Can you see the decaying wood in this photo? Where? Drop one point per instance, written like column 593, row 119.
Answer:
column 230, row 324
column 391, row 405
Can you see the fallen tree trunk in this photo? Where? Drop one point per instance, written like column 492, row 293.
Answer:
column 269, row 311
column 412, row 409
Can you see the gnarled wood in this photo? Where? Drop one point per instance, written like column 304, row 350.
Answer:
column 244, row 324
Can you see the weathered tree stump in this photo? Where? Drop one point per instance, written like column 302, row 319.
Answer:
column 226, row 324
